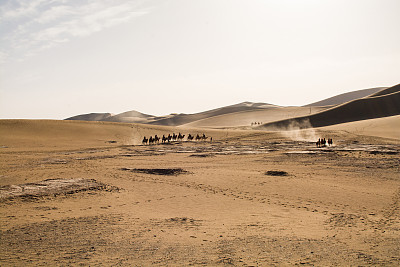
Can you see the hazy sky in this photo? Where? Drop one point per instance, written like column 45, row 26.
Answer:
column 60, row 58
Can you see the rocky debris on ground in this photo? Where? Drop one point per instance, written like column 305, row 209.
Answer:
column 51, row 187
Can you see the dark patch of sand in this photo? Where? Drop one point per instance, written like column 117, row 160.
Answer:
column 276, row 173
column 167, row 171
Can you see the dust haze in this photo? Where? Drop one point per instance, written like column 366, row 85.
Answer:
column 300, row 131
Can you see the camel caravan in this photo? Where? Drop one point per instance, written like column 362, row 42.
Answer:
column 322, row 142
column 174, row 137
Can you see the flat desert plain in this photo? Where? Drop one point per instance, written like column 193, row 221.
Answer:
column 89, row 193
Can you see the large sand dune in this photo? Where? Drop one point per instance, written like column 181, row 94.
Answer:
column 384, row 104
column 352, row 106
column 387, row 91
column 181, row 119
column 246, row 118
column 91, row 117
column 128, row 117
column 346, row 97
column 172, row 119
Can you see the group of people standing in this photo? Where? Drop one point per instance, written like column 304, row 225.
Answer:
column 322, row 142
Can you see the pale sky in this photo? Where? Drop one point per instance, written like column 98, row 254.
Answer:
column 60, row 58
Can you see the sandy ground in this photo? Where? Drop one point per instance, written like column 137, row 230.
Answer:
column 337, row 205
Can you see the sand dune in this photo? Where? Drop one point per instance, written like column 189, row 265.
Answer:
column 126, row 117
column 246, row 118
column 130, row 117
column 64, row 134
column 182, row 119
column 54, row 134
column 346, row 97
column 371, row 107
column 352, row 106
column 386, row 91
column 172, row 119
column 91, row 117
column 387, row 127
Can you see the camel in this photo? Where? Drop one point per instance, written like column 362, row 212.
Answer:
column 322, row 142
column 164, row 139
column 156, row 139
column 180, row 137
column 190, row 137
column 145, row 140
column 330, row 141
column 198, row 138
column 151, row 140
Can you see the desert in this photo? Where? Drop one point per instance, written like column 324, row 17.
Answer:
column 199, row 133
column 88, row 192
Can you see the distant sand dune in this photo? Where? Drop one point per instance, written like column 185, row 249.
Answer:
column 127, row 117
column 182, row 119
column 387, row 91
column 172, row 119
column 361, row 109
column 130, row 117
column 346, row 97
column 245, row 118
column 91, row 117
column 353, row 106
